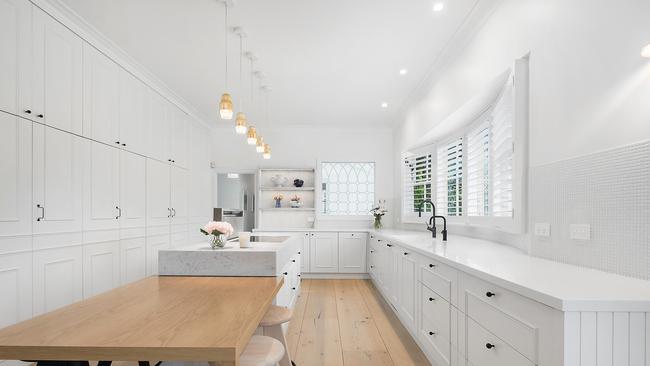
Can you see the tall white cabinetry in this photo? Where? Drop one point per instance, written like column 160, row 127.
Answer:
column 84, row 196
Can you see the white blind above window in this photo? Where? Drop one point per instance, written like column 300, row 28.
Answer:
column 418, row 179
column 450, row 178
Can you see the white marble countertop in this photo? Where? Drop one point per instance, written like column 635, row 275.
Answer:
column 562, row 286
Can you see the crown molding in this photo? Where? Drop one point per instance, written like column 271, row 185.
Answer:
column 78, row 25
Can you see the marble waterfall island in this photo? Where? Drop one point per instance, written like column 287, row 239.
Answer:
column 267, row 257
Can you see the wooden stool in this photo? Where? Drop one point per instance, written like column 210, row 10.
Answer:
column 272, row 326
column 262, row 351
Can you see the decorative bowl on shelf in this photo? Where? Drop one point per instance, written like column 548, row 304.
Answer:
column 298, row 183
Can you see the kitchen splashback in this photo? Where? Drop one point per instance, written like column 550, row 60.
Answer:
column 608, row 190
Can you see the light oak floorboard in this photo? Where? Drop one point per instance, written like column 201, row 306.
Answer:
column 347, row 323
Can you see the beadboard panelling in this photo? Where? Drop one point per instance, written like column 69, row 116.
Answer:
column 608, row 190
column 607, row 339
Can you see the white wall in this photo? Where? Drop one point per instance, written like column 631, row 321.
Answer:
column 589, row 86
column 301, row 146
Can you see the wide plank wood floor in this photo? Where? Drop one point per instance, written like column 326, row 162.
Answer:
column 348, row 323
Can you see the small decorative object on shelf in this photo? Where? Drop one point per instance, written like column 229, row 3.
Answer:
column 298, row 183
column 379, row 211
column 218, row 232
column 279, row 181
column 296, row 201
column 278, row 200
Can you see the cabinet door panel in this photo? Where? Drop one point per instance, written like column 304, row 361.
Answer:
column 15, row 58
column 352, row 252
column 179, row 138
column 133, row 190
column 133, row 113
column 159, row 130
column 324, row 253
column 304, row 254
column 133, row 260
column 57, row 278
column 16, row 167
column 57, row 74
column 158, row 196
column 16, row 288
column 101, row 186
column 100, row 97
column 179, row 195
column 101, row 268
column 57, row 161
column 406, row 287
column 154, row 244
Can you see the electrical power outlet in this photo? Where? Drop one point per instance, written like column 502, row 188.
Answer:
column 580, row 231
column 542, row 229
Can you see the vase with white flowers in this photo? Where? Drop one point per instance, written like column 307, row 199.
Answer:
column 278, row 200
column 218, row 233
column 296, row 201
column 378, row 212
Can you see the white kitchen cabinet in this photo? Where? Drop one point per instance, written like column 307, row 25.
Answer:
column 101, row 96
column 178, row 194
column 179, row 136
column 158, row 193
column 133, row 190
column 200, row 176
column 15, row 58
column 16, row 168
column 57, row 278
column 390, row 258
column 57, row 74
column 134, row 113
column 15, row 287
column 154, row 244
column 406, row 286
column 352, row 252
column 324, row 253
column 304, row 253
column 133, row 259
column 57, row 180
column 159, row 130
column 101, row 186
column 101, row 267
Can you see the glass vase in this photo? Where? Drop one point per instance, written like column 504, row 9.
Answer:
column 217, row 241
column 378, row 225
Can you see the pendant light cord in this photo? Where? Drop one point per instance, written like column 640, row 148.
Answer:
column 225, row 4
column 241, row 72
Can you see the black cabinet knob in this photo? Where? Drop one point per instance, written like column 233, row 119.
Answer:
column 432, row 333
column 28, row 111
column 299, row 276
column 285, row 273
column 431, row 265
column 293, row 260
column 389, row 245
column 40, row 116
column 298, row 252
column 406, row 253
column 490, row 294
column 117, row 142
column 123, row 144
column 431, row 299
column 293, row 288
column 489, row 345
column 372, row 266
column 372, row 251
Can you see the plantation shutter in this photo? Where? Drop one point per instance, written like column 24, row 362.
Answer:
column 478, row 170
column 501, row 141
column 417, row 175
column 450, row 178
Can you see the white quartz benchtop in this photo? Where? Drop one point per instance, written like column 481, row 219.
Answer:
column 558, row 285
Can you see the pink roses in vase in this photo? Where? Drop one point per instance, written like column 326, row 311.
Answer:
column 219, row 232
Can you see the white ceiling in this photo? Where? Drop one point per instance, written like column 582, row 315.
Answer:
column 328, row 62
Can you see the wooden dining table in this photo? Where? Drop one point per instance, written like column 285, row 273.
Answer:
column 158, row 318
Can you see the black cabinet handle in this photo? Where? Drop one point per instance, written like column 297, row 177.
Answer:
column 298, row 252
column 490, row 294
column 42, row 213
column 389, row 245
column 169, row 210
column 28, row 111
column 285, row 273
column 372, row 266
column 117, row 142
column 119, row 212
column 123, row 144
column 378, row 239
column 293, row 260
column 489, row 345
column 406, row 253
column 431, row 299
column 372, row 251
column 299, row 276
column 432, row 333
column 40, row 116
column 431, row 265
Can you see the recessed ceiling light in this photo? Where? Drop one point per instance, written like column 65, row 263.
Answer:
column 645, row 52
column 384, row 105
column 438, row 6
column 403, row 72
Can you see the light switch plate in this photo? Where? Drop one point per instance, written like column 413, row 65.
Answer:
column 542, row 229
column 580, row 231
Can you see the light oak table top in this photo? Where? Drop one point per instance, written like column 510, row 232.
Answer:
column 157, row 318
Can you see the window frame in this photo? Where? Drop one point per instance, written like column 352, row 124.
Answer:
column 517, row 222
column 319, row 192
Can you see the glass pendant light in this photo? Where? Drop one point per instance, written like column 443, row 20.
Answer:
column 267, row 152
column 225, row 105
column 251, row 136
column 259, row 147
column 240, row 121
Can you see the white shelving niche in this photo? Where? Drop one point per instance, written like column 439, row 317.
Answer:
column 270, row 217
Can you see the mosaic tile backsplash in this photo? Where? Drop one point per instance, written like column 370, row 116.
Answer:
column 608, row 190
